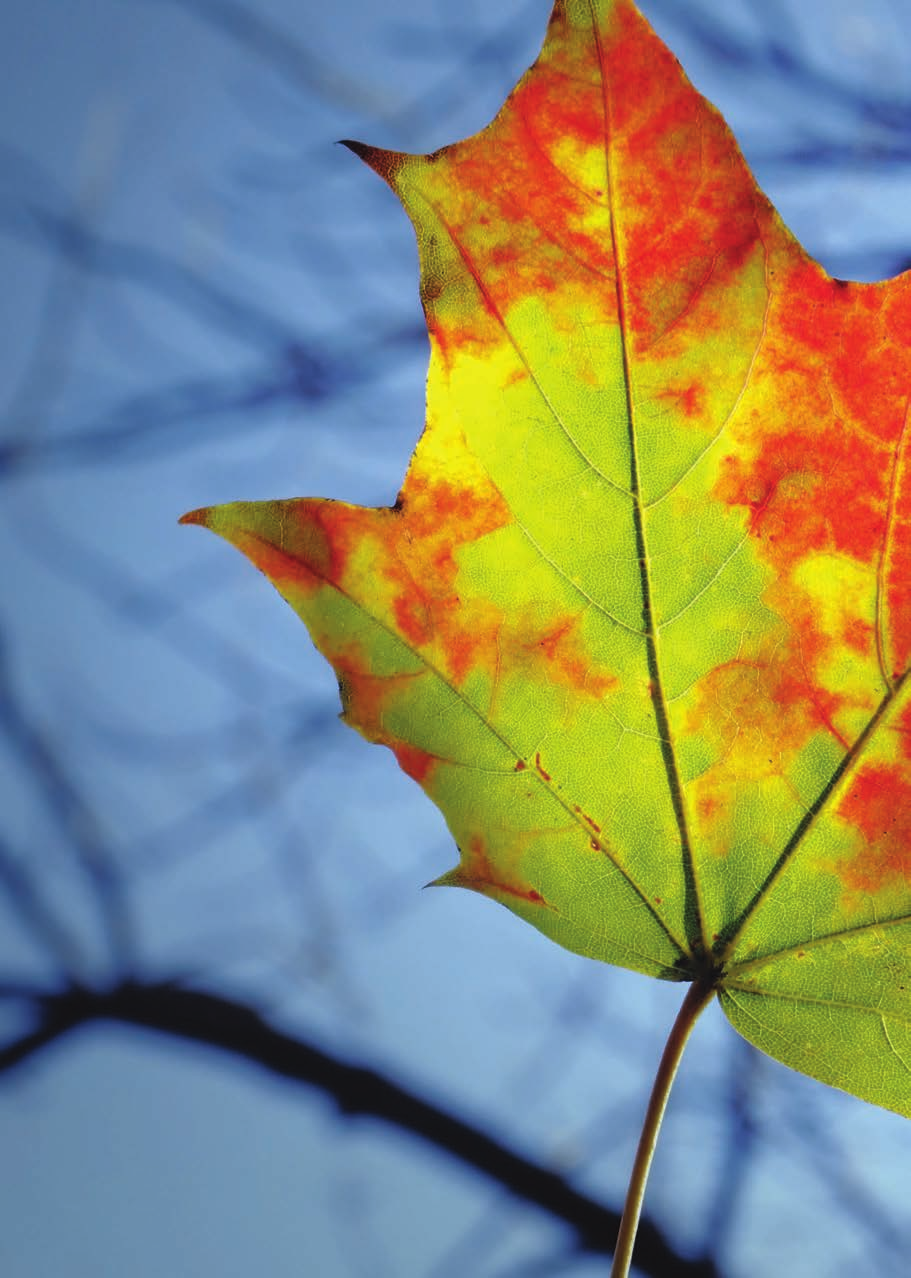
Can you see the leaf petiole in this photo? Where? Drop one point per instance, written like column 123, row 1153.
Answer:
column 698, row 997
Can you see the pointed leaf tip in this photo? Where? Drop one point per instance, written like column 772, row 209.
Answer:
column 449, row 879
column 384, row 163
column 200, row 516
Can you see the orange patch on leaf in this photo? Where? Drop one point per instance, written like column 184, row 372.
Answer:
column 860, row 635
column 432, row 520
column 690, row 217
column 418, row 544
column 756, row 716
column 417, row 763
column 365, row 700
column 688, row 398
column 565, row 659
column 809, row 491
column 812, row 467
column 903, row 728
column 289, row 573
column 708, row 805
column 897, row 554
column 412, row 549
column 879, row 805
column 759, row 712
column 533, row 224
column 323, row 534
column 477, row 871
column 471, row 640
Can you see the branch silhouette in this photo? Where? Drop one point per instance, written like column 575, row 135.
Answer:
column 230, row 1026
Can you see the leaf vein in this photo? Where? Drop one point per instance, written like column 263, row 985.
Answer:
column 762, row 894
column 693, row 904
column 882, row 585
column 575, row 817
column 498, row 315
column 708, row 585
column 844, row 936
column 843, row 1004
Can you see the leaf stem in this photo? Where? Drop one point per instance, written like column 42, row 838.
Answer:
column 698, row 997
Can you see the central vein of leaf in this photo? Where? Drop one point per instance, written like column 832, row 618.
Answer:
column 698, row 940
column 571, row 810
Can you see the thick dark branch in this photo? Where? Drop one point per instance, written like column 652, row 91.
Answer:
column 222, row 1023
column 23, row 1048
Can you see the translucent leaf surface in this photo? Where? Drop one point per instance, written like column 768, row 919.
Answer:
column 639, row 621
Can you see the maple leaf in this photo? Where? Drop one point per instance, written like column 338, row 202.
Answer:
column 640, row 619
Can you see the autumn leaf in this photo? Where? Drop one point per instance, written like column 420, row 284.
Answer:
column 640, row 619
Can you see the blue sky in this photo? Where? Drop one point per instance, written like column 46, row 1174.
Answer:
column 267, row 850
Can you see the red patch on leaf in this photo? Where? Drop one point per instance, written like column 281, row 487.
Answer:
column 365, row 699
column 476, row 871
column 432, row 520
column 289, row 573
column 896, row 570
column 903, row 728
column 821, row 467
column 565, row 658
column 879, row 805
column 690, row 218
column 688, row 398
column 545, row 776
column 417, row 763
column 860, row 635
column 808, row 492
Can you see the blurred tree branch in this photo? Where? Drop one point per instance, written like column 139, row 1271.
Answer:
column 230, row 1026
column 290, row 359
